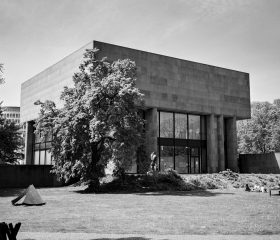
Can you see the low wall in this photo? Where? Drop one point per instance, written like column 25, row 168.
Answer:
column 16, row 176
column 259, row 163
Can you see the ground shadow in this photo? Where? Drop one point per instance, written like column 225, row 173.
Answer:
column 124, row 238
column 10, row 192
column 200, row 193
column 28, row 205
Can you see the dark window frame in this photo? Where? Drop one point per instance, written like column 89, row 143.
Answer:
column 190, row 143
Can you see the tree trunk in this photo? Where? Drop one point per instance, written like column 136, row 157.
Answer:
column 93, row 186
column 94, row 172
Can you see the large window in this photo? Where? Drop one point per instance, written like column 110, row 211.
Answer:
column 182, row 159
column 41, row 149
column 194, row 127
column 182, row 142
column 166, row 125
column 166, row 157
column 181, row 126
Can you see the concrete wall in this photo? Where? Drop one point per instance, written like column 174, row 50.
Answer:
column 23, row 175
column 151, row 129
column 49, row 84
column 259, row 163
column 168, row 83
column 180, row 85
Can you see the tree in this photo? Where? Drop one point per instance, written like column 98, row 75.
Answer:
column 10, row 143
column 10, row 139
column 261, row 133
column 2, row 80
column 99, row 121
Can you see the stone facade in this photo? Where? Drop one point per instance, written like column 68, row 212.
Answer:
column 169, row 84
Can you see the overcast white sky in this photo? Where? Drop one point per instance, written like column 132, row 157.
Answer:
column 237, row 34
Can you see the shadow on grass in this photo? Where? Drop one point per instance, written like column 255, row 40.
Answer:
column 10, row 192
column 200, row 193
column 125, row 238
column 197, row 193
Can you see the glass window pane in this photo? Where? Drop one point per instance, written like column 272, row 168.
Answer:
column 181, row 126
column 36, row 157
column 166, row 125
column 166, row 157
column 181, row 159
column 194, row 127
column 133, row 166
column 37, row 146
column 203, row 127
column 195, row 151
column 42, row 157
column 195, row 165
column 48, row 158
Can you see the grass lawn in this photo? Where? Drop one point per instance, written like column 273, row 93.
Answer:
column 228, row 211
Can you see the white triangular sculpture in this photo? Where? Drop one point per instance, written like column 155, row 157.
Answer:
column 32, row 197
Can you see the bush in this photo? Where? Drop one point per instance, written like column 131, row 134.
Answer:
column 170, row 180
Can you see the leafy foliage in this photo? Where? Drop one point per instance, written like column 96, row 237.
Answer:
column 2, row 80
column 261, row 133
column 10, row 143
column 10, row 139
column 99, row 120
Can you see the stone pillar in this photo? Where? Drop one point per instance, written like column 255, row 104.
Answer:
column 221, row 150
column 231, row 144
column 212, row 158
column 151, row 130
column 28, row 143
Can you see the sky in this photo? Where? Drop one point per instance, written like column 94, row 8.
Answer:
column 242, row 35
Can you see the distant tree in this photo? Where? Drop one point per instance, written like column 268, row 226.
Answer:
column 10, row 138
column 261, row 133
column 2, row 80
column 99, row 121
column 10, row 143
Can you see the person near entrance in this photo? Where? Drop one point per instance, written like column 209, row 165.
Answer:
column 153, row 161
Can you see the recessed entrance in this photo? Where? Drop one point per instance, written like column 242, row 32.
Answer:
column 185, row 160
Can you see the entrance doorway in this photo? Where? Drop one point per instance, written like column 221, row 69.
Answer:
column 185, row 160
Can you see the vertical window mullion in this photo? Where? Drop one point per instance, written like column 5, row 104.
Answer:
column 188, row 129
column 200, row 132
column 173, row 140
column 45, row 160
column 39, row 153
column 158, row 140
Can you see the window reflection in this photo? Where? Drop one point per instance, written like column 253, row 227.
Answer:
column 42, row 145
column 181, row 159
column 166, row 157
column 194, row 127
column 166, row 125
column 181, row 126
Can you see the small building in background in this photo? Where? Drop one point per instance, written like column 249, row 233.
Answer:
column 11, row 114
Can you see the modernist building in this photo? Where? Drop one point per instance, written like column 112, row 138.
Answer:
column 191, row 108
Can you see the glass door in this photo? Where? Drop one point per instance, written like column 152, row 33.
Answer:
column 166, row 157
column 182, row 161
column 195, row 160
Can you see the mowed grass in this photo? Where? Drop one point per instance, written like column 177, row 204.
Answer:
column 228, row 211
